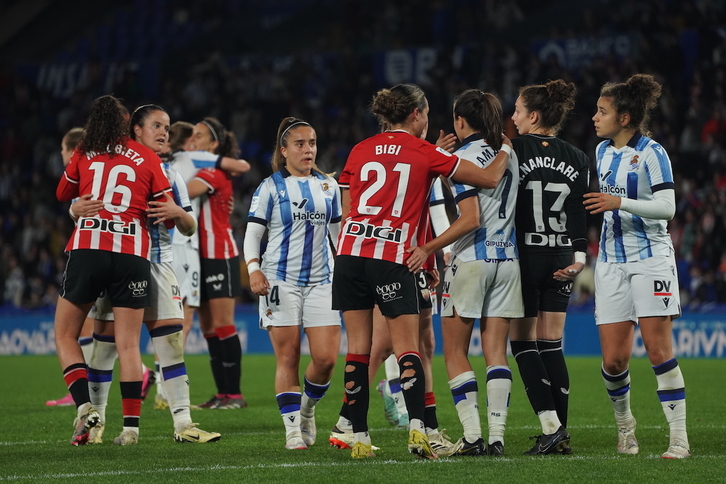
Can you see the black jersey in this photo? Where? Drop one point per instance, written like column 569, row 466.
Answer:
column 553, row 177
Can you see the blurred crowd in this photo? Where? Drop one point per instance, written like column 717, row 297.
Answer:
column 329, row 81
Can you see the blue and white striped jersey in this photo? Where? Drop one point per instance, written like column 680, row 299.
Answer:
column 161, row 236
column 188, row 163
column 636, row 171
column 296, row 212
column 496, row 236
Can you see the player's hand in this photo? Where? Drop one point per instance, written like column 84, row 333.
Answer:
column 416, row 259
column 85, row 207
column 570, row 272
column 166, row 210
column 596, row 202
column 230, row 204
column 259, row 283
column 446, row 141
column 433, row 278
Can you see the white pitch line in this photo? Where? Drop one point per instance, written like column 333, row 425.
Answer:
column 368, row 462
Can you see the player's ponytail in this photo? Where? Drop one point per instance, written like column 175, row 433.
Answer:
column 552, row 101
column 483, row 112
column 106, row 127
column 393, row 106
column 637, row 96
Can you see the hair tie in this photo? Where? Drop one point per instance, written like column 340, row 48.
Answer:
column 292, row 125
column 214, row 133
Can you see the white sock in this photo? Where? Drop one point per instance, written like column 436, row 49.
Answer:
column 311, row 396
column 87, row 348
column 499, row 387
column 344, row 424
column 168, row 345
column 289, row 405
column 618, row 388
column 393, row 384
column 672, row 395
column 100, row 372
column 465, row 390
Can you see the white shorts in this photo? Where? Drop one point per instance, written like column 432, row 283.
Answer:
column 187, row 267
column 290, row 305
column 483, row 289
column 631, row 290
column 165, row 297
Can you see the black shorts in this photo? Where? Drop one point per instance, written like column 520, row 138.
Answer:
column 125, row 278
column 540, row 290
column 360, row 283
column 220, row 278
column 424, row 293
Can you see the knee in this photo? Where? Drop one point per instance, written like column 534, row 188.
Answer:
column 615, row 365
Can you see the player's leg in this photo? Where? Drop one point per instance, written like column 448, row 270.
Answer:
column 494, row 334
column 286, row 345
column 550, row 329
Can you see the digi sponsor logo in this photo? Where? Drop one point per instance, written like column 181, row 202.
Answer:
column 138, row 288
column 389, row 292
column 112, row 226
column 373, row 232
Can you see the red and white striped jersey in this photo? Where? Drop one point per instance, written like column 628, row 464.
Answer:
column 389, row 176
column 125, row 182
column 215, row 232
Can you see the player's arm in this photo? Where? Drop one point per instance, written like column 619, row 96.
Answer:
column 468, row 220
column 489, row 177
column 169, row 210
column 83, row 206
column 576, row 226
column 233, row 166
column 251, row 248
column 197, row 187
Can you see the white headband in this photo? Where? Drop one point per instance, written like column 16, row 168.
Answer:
column 214, row 133
column 296, row 123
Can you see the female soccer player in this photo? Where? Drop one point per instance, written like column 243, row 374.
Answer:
column 68, row 146
column 164, row 317
column 550, row 223
column 220, row 276
column 108, row 252
column 387, row 180
column 300, row 208
column 483, row 280
column 635, row 274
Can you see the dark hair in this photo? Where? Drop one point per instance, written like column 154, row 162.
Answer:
column 483, row 112
column 553, row 101
column 179, row 133
column 226, row 139
column 106, row 127
column 636, row 96
column 138, row 118
column 283, row 132
column 72, row 138
column 392, row 106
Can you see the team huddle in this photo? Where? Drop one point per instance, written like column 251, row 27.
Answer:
column 365, row 246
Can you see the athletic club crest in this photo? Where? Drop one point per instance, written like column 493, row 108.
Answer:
column 545, row 143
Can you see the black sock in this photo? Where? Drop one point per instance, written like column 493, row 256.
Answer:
column 554, row 362
column 534, row 375
column 215, row 361
column 413, row 385
column 357, row 390
column 232, row 363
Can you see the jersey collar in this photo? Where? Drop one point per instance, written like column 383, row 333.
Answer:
column 632, row 142
column 284, row 172
column 471, row 138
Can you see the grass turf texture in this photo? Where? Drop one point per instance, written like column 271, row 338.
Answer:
column 34, row 446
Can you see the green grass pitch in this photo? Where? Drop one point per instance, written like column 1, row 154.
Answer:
column 34, row 443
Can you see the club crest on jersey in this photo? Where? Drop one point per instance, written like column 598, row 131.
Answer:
column 112, row 226
column 545, row 143
column 372, row 232
column 326, row 189
column 634, row 162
